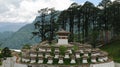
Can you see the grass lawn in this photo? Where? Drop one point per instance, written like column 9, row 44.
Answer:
column 113, row 49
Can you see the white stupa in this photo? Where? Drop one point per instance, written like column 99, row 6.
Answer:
column 63, row 37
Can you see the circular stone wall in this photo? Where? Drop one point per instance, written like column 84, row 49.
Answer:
column 74, row 54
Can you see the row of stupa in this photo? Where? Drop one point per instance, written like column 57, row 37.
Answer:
column 53, row 54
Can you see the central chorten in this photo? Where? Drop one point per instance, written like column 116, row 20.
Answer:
column 63, row 37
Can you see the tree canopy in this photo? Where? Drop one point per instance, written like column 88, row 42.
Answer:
column 101, row 22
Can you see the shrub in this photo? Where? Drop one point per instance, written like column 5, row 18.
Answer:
column 62, row 49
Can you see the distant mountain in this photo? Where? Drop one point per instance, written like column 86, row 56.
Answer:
column 4, row 35
column 7, row 26
column 23, row 36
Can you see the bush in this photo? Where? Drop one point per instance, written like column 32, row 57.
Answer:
column 0, row 63
column 1, row 56
column 26, row 46
column 62, row 49
column 6, row 52
column 75, row 47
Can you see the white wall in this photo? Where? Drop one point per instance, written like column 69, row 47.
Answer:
column 62, row 41
column 117, row 64
column 107, row 64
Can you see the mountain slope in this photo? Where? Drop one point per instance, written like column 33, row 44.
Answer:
column 6, row 26
column 21, row 37
column 4, row 35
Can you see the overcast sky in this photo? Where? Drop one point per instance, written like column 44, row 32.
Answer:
column 26, row 10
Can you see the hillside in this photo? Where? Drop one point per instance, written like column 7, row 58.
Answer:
column 4, row 35
column 20, row 37
column 113, row 49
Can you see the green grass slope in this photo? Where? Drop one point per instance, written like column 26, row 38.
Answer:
column 113, row 49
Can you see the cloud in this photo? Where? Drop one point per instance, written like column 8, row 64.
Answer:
column 26, row 10
column 112, row 0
